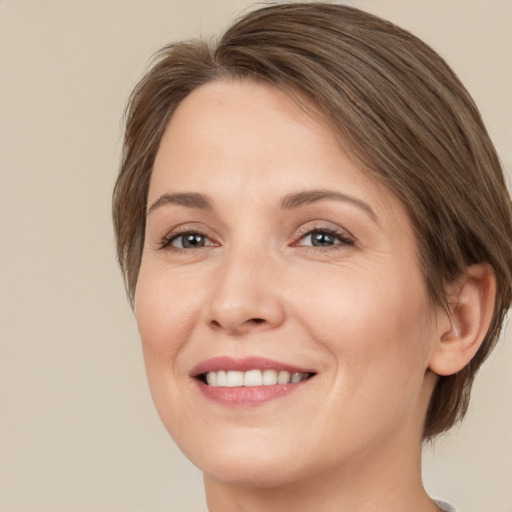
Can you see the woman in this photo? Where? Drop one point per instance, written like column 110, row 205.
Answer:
column 316, row 239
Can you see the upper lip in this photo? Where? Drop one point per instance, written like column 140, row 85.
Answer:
column 244, row 364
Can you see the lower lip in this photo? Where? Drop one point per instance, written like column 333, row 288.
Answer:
column 246, row 396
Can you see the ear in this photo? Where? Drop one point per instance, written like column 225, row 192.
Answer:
column 461, row 331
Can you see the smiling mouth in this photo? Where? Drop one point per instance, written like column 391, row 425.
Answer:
column 252, row 378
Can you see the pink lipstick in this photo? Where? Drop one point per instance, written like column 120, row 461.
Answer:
column 247, row 381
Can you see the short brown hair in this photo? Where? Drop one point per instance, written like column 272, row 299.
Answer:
column 398, row 109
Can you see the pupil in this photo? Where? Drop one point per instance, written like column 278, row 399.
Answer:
column 193, row 240
column 322, row 239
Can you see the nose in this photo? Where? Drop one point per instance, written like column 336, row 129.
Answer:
column 245, row 296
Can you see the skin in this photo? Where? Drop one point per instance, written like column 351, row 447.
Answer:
column 356, row 311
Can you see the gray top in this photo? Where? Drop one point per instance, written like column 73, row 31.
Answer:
column 445, row 506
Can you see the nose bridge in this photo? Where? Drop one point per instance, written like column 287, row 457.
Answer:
column 244, row 296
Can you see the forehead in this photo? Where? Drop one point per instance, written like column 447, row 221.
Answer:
column 240, row 125
column 251, row 141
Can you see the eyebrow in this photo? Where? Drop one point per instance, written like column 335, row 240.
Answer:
column 291, row 201
column 189, row 199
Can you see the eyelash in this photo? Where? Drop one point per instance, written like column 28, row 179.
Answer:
column 342, row 236
column 171, row 237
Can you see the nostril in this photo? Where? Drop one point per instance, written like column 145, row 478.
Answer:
column 237, row 326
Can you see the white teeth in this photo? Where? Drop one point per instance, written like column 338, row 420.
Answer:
column 231, row 378
column 221, row 378
column 253, row 378
column 296, row 377
column 211, row 378
column 235, row 379
column 269, row 377
column 283, row 378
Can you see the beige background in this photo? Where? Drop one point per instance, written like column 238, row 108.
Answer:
column 78, row 429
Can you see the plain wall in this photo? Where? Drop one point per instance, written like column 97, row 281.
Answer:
column 78, row 431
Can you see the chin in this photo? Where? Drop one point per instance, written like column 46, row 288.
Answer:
column 268, row 472
column 262, row 462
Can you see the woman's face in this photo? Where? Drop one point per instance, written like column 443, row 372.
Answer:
column 270, row 256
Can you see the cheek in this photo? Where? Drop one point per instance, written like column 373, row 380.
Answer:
column 165, row 312
column 377, row 332
column 371, row 321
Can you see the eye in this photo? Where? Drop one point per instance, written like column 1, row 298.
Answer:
column 188, row 240
column 323, row 237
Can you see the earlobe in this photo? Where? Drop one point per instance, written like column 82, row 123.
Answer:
column 462, row 330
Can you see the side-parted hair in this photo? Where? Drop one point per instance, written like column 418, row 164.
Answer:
column 398, row 110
